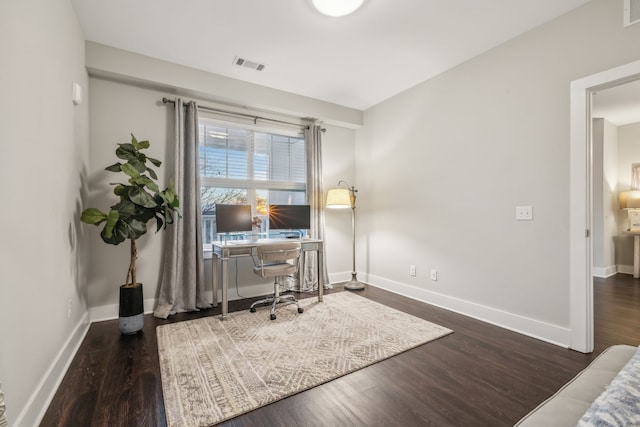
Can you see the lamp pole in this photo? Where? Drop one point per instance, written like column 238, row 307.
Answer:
column 353, row 284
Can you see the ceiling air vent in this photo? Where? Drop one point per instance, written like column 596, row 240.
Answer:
column 249, row 64
column 631, row 12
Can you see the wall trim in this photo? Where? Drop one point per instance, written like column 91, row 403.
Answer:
column 38, row 403
column 604, row 272
column 110, row 311
column 625, row 269
column 580, row 203
column 543, row 331
column 337, row 278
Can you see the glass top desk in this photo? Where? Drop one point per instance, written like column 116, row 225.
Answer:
column 223, row 250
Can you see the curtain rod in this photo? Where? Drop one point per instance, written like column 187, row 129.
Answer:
column 233, row 113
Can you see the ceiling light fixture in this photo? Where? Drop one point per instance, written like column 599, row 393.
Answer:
column 337, row 7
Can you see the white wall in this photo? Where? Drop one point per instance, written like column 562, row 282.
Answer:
column 605, row 200
column 628, row 154
column 479, row 140
column 44, row 152
column 120, row 108
column 610, row 196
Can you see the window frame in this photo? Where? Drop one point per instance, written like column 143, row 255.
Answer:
column 251, row 185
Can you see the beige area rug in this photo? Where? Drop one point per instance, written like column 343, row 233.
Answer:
column 213, row 370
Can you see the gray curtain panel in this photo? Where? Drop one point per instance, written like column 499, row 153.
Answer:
column 182, row 285
column 315, row 198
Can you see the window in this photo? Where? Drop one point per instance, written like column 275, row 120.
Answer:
column 248, row 165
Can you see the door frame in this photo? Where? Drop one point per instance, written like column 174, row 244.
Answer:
column 580, row 200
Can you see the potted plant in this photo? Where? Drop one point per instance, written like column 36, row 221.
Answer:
column 140, row 201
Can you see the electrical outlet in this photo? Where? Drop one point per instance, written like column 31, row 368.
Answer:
column 69, row 309
column 412, row 270
column 524, row 213
column 434, row 275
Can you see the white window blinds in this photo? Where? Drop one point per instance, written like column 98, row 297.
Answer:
column 248, row 165
column 235, row 157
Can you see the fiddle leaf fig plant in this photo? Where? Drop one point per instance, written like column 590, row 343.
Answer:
column 140, row 201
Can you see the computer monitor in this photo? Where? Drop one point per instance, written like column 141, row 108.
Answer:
column 289, row 217
column 232, row 218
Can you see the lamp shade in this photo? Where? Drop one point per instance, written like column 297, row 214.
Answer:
column 629, row 199
column 338, row 198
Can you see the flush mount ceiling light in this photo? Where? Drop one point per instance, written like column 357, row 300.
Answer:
column 337, row 7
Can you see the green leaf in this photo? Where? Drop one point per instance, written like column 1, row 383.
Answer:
column 145, row 214
column 159, row 223
column 126, row 208
column 114, row 167
column 169, row 218
column 155, row 162
column 126, row 152
column 163, row 198
column 117, row 236
column 93, row 216
column 121, row 190
column 138, row 165
column 152, row 173
column 112, row 219
column 130, row 170
column 140, row 197
column 145, row 180
column 139, row 145
column 135, row 229
column 172, row 197
column 175, row 202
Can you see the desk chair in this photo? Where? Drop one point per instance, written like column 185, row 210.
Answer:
column 277, row 260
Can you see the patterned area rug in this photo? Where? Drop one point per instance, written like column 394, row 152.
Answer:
column 214, row 370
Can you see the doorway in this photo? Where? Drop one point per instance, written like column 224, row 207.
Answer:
column 616, row 170
column 581, row 200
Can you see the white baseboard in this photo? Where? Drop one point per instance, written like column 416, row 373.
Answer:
column 534, row 328
column 344, row 276
column 41, row 398
column 604, row 272
column 39, row 401
column 625, row 269
column 111, row 311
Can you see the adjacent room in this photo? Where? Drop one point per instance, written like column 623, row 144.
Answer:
column 172, row 255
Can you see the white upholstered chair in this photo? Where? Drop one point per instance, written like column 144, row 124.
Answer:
column 277, row 260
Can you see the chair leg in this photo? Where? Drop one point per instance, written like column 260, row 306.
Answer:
column 275, row 300
column 262, row 302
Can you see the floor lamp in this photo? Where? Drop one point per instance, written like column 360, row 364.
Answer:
column 341, row 198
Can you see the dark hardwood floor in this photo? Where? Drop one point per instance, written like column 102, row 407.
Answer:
column 616, row 311
column 481, row 375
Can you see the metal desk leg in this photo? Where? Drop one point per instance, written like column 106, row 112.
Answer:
column 225, row 281
column 303, row 256
column 214, row 277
